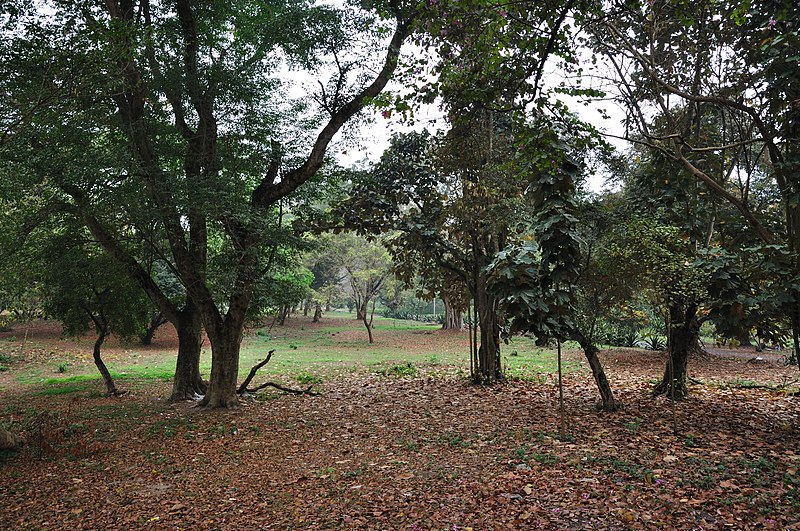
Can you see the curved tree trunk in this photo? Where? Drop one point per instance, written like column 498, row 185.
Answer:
column 188, row 383
column 591, row 352
column 367, row 320
column 683, row 339
column 98, row 361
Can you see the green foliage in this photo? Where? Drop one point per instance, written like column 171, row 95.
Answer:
column 407, row 370
column 535, row 280
column 307, row 378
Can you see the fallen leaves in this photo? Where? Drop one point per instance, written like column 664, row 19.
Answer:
column 425, row 453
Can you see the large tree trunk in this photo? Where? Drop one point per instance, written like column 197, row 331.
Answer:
column 225, row 345
column 591, row 352
column 188, row 384
column 683, row 339
column 453, row 320
column 98, row 361
column 317, row 313
column 489, row 369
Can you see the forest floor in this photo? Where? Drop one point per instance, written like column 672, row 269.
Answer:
column 382, row 447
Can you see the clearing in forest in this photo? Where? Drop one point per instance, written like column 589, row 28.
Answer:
column 397, row 439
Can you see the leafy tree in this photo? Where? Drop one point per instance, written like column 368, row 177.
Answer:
column 537, row 279
column 449, row 204
column 367, row 266
column 325, row 265
column 688, row 64
column 164, row 124
column 85, row 290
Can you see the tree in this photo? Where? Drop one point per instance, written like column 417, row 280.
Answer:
column 730, row 63
column 170, row 130
column 367, row 266
column 84, row 289
column 448, row 205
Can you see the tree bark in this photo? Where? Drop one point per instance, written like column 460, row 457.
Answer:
column 489, row 369
column 683, row 339
column 188, row 383
column 453, row 319
column 98, row 361
column 591, row 352
column 317, row 313
column 156, row 320
column 367, row 322
column 225, row 345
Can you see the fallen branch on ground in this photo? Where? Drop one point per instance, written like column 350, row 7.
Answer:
column 244, row 389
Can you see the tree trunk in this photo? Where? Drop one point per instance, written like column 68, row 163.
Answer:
column 367, row 322
column 489, row 369
column 225, row 345
column 591, row 352
column 282, row 314
column 156, row 320
column 188, row 384
column 98, row 361
column 683, row 339
column 453, row 320
column 317, row 313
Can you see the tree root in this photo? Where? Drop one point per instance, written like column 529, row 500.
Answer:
column 244, row 389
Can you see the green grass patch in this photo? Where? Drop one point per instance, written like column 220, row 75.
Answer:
column 400, row 370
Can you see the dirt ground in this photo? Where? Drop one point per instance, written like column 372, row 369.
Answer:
column 430, row 452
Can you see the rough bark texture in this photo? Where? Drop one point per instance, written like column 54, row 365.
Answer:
column 221, row 391
column 188, row 384
column 317, row 313
column 489, row 369
column 453, row 320
column 591, row 352
column 683, row 339
column 226, row 339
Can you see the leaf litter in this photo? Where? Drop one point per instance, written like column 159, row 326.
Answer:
column 430, row 452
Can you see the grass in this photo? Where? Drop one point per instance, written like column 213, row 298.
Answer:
column 311, row 353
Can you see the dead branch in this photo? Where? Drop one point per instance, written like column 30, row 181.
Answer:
column 306, row 391
column 244, row 389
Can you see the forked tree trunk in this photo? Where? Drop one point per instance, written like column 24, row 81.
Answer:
column 683, row 339
column 604, row 388
column 367, row 322
column 156, row 320
column 188, row 384
column 98, row 361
